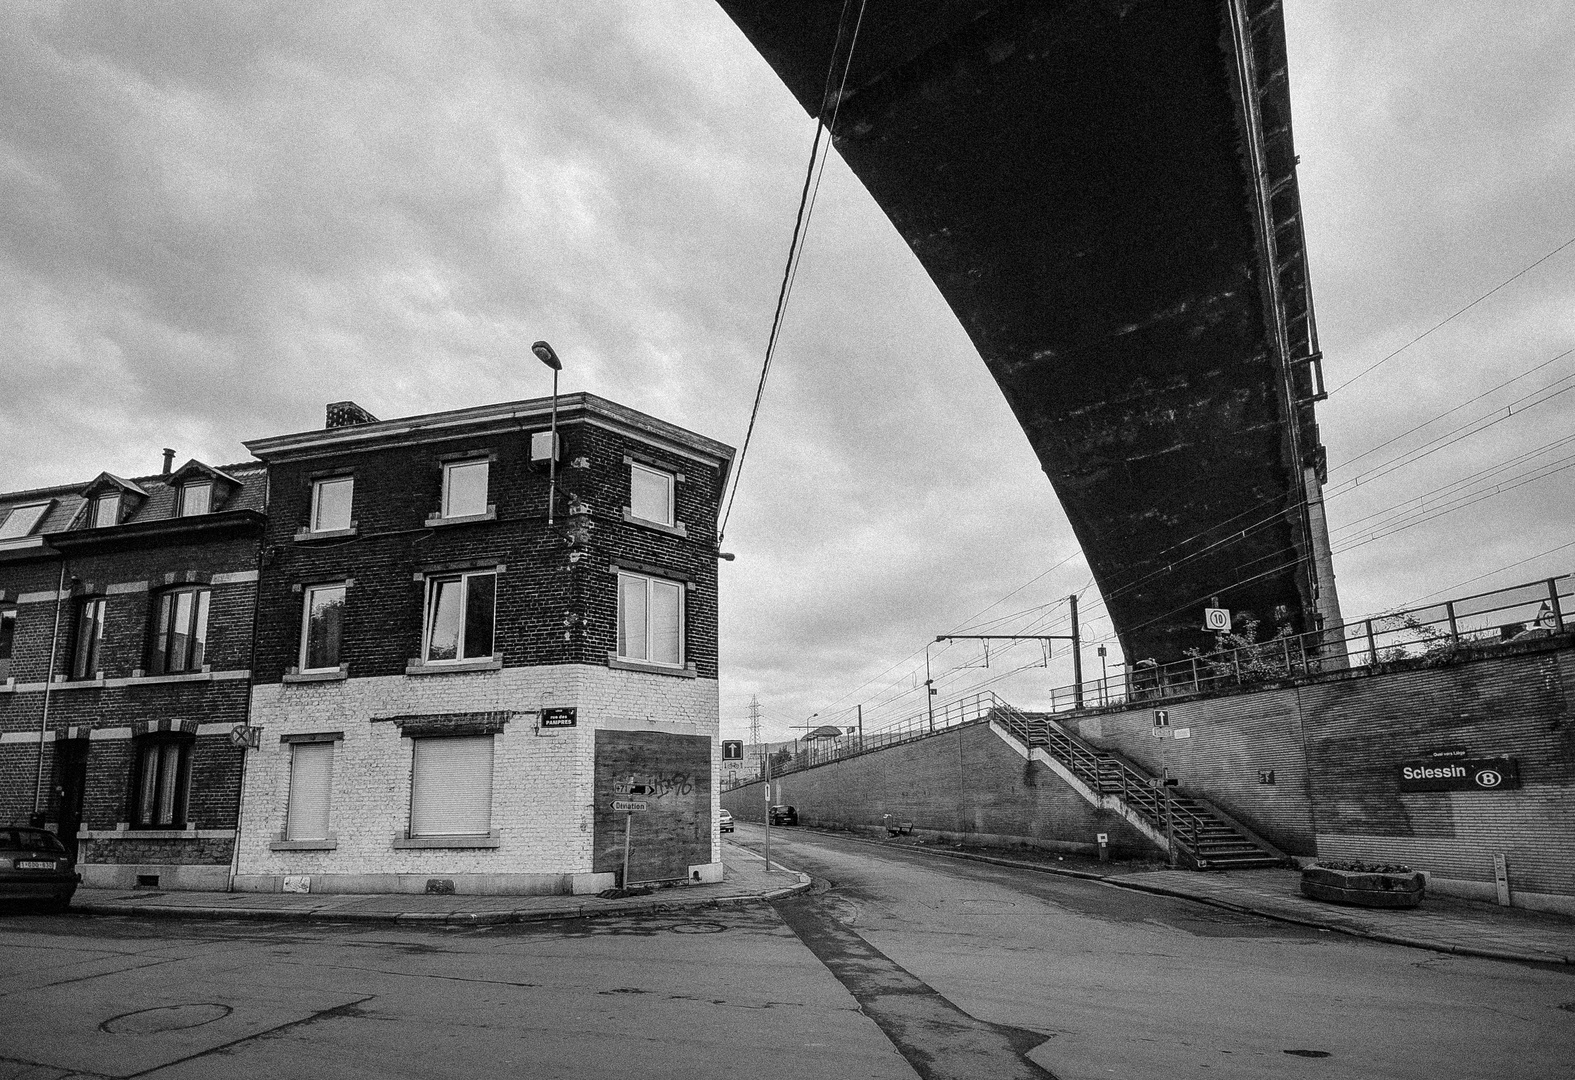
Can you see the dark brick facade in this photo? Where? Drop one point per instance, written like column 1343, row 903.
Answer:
column 97, row 721
column 556, row 601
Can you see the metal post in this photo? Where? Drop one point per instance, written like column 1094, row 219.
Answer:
column 1170, row 834
column 929, row 688
column 861, row 727
column 1372, row 646
column 1454, row 631
column 1077, row 656
column 1553, row 602
column 552, row 462
column 1195, row 687
column 768, row 808
column 1104, row 678
column 628, row 826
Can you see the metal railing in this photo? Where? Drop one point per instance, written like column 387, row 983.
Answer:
column 1190, row 827
column 971, row 709
column 1438, row 633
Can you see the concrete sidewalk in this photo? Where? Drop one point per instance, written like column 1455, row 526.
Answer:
column 1443, row 923
column 744, row 880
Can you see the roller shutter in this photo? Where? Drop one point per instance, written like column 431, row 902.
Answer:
column 311, row 780
column 451, row 787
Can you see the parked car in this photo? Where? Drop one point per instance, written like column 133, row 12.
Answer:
column 784, row 815
column 34, row 865
column 727, row 820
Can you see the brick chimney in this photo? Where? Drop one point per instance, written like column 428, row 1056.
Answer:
column 347, row 414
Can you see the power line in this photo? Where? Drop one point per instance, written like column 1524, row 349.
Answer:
column 1452, row 318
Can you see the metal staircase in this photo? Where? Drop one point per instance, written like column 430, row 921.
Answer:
column 1202, row 835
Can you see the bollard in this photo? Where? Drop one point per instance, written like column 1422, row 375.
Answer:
column 1104, row 846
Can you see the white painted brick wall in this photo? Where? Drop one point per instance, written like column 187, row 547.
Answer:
column 541, row 786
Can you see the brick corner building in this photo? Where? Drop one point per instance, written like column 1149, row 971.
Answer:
column 126, row 612
column 458, row 675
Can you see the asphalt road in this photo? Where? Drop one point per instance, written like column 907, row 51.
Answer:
column 1125, row 984
column 897, row 965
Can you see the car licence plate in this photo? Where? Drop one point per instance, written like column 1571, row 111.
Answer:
column 34, row 864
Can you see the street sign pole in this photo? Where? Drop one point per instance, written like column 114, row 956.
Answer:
column 768, row 808
column 628, row 826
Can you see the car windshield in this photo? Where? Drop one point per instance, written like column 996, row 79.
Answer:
column 30, row 840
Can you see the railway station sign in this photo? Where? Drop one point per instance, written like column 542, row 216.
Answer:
column 1459, row 774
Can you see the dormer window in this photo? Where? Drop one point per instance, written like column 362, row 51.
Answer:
column 331, row 504
column 106, row 511
column 22, row 520
column 196, row 498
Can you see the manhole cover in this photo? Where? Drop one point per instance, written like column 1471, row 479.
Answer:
column 698, row 928
column 1308, row 1053
column 165, row 1018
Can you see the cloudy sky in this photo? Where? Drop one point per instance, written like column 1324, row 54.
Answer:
column 215, row 218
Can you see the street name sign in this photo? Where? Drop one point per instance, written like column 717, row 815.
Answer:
column 559, row 718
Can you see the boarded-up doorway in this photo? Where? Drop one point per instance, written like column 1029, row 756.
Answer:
column 674, row 832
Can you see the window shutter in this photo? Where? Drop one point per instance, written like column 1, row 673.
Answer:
column 451, row 787
column 311, row 780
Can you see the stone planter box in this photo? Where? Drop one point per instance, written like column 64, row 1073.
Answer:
column 1363, row 888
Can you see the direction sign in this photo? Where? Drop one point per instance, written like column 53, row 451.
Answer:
column 627, row 806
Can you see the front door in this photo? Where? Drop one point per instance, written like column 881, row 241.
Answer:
column 71, row 759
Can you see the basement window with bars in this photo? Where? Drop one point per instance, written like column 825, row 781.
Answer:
column 163, row 775
column 451, row 786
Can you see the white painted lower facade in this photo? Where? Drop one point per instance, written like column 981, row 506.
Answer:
column 542, row 780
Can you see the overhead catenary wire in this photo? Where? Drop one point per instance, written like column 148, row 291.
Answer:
column 1439, row 325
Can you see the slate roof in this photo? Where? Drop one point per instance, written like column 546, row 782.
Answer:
column 67, row 513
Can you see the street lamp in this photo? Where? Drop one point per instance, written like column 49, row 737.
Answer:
column 545, row 354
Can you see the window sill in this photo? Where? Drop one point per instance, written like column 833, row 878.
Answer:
column 453, row 667
column 406, row 843
column 8, row 686
column 304, row 845
column 307, row 536
column 337, row 675
column 437, row 521
column 617, row 664
column 128, row 833
column 63, row 683
column 670, row 530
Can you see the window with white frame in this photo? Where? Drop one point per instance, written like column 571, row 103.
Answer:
column 106, row 511
column 331, row 503
column 650, row 494
column 90, row 635
column 460, row 614
column 22, row 520
column 180, row 633
column 465, row 488
column 162, row 777
column 322, row 627
column 451, row 786
column 650, row 619
column 196, row 498
column 311, row 787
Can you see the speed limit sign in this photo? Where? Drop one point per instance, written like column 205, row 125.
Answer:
column 1216, row 619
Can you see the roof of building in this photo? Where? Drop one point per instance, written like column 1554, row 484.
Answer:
column 351, row 434
column 148, row 499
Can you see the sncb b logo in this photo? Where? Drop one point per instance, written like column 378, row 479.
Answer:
column 1489, row 778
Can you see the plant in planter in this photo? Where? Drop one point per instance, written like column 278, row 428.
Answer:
column 1383, row 885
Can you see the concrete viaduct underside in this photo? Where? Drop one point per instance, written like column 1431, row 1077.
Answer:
column 1105, row 193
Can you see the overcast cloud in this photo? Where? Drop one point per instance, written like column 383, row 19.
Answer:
column 215, row 218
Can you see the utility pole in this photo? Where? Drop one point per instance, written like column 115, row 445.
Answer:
column 754, row 730
column 861, row 727
column 1077, row 655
